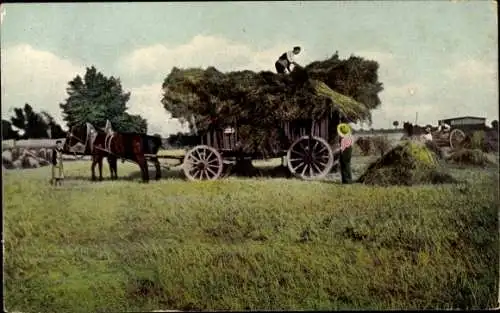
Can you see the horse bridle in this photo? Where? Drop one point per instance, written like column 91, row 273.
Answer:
column 70, row 135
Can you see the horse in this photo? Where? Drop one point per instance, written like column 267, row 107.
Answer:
column 414, row 131
column 134, row 147
column 82, row 141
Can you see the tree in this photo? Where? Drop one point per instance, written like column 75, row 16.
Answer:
column 130, row 123
column 8, row 132
column 32, row 123
column 494, row 124
column 395, row 124
column 35, row 125
column 96, row 98
column 54, row 130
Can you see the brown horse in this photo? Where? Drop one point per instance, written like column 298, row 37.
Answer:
column 134, row 147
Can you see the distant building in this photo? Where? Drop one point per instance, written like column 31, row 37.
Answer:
column 465, row 121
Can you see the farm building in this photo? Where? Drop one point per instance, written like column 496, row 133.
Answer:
column 465, row 121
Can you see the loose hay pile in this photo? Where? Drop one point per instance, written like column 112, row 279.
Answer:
column 257, row 103
column 409, row 163
column 474, row 157
column 25, row 158
column 373, row 145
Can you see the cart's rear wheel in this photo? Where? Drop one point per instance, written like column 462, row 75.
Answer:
column 310, row 158
column 203, row 163
column 457, row 138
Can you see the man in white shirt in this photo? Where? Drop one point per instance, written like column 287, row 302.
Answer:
column 285, row 60
column 427, row 136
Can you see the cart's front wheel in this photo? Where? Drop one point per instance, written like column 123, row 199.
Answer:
column 310, row 158
column 203, row 163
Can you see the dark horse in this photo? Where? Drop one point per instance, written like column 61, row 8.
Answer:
column 134, row 147
column 414, row 130
column 79, row 141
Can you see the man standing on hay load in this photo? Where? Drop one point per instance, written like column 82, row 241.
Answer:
column 57, row 164
column 285, row 60
column 346, row 141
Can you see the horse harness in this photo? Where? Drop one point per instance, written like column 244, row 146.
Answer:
column 91, row 137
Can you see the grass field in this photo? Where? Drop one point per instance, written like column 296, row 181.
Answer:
column 241, row 244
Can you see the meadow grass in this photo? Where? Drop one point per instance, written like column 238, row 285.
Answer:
column 237, row 244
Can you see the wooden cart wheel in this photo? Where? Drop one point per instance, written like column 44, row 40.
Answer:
column 203, row 163
column 310, row 158
column 457, row 138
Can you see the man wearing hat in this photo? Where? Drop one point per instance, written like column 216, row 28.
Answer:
column 346, row 141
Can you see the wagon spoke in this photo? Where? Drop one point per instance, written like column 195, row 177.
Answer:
column 295, row 169
column 322, row 149
column 195, row 173
column 199, row 174
column 322, row 164
column 302, row 146
column 212, row 172
column 316, row 167
column 310, row 171
column 204, row 172
column 209, row 155
column 304, row 170
column 299, row 153
column 192, row 156
column 199, row 156
column 315, row 145
column 213, row 161
column 294, row 160
column 213, row 167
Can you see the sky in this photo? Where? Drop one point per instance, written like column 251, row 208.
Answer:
column 437, row 58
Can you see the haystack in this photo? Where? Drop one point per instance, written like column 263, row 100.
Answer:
column 257, row 103
column 409, row 163
column 474, row 157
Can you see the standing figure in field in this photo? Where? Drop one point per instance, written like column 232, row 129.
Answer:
column 443, row 127
column 57, row 164
column 428, row 135
column 346, row 141
column 285, row 60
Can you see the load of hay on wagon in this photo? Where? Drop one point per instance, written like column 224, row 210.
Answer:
column 259, row 102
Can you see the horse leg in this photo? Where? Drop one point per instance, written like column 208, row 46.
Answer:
column 94, row 162
column 100, row 167
column 115, row 166
column 143, row 164
column 112, row 166
column 157, row 168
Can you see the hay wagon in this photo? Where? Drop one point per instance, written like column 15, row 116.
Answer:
column 305, row 143
column 457, row 137
column 453, row 139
